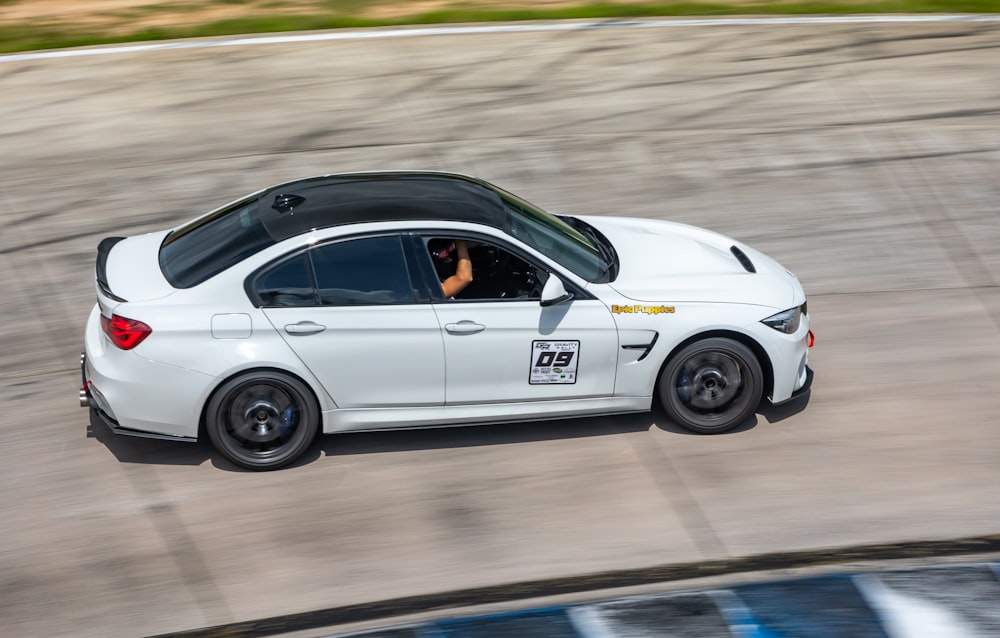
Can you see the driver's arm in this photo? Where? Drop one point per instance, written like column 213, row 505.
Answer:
column 463, row 271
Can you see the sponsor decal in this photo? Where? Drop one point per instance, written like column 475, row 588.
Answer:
column 642, row 310
column 553, row 362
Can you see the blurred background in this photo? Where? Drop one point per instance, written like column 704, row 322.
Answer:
column 863, row 155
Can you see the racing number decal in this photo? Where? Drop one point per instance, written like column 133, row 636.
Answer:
column 549, row 358
column 553, row 362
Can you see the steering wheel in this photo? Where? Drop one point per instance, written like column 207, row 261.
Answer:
column 497, row 263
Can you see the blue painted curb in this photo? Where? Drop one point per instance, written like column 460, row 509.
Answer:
column 953, row 600
column 926, row 550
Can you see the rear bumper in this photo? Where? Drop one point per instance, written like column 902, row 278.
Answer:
column 90, row 397
column 136, row 395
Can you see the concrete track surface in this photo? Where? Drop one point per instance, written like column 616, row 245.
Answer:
column 864, row 157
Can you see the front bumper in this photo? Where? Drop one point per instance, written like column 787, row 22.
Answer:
column 802, row 390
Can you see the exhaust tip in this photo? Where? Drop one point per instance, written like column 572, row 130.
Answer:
column 84, row 399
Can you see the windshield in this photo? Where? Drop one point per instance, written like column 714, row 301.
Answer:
column 556, row 239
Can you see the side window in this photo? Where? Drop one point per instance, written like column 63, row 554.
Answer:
column 367, row 271
column 287, row 284
column 497, row 274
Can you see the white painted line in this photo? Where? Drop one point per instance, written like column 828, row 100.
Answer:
column 378, row 33
column 587, row 622
column 735, row 613
column 905, row 616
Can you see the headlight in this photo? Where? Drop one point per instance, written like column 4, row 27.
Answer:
column 786, row 321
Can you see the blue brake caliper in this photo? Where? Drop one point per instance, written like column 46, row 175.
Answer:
column 289, row 419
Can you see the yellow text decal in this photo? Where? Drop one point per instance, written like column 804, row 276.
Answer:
column 642, row 310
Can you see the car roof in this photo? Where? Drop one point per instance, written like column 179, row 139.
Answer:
column 299, row 206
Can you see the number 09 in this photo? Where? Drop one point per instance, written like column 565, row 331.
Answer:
column 549, row 358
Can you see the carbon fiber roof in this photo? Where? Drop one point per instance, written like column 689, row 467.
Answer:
column 334, row 200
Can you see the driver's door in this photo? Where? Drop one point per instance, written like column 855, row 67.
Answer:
column 502, row 345
column 503, row 351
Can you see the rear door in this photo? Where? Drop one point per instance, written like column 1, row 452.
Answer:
column 351, row 314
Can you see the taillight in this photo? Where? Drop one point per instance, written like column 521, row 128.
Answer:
column 124, row 332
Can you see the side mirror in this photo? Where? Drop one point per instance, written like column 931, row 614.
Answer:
column 554, row 292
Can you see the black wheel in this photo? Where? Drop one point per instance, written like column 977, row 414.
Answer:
column 262, row 420
column 712, row 385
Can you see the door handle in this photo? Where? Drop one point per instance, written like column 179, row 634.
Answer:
column 464, row 327
column 304, row 328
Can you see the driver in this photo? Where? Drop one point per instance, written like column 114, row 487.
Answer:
column 463, row 267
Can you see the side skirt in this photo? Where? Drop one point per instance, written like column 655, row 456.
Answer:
column 362, row 419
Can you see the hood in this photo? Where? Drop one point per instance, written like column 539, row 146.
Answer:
column 662, row 261
column 132, row 269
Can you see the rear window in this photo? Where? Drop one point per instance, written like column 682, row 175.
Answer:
column 208, row 245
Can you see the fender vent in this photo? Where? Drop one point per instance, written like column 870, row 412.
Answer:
column 743, row 259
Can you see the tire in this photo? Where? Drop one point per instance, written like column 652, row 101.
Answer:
column 262, row 420
column 711, row 386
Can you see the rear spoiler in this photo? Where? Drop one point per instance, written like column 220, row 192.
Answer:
column 103, row 250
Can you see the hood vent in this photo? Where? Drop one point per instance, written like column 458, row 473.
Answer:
column 743, row 259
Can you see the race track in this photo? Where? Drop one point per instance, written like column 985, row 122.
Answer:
column 865, row 157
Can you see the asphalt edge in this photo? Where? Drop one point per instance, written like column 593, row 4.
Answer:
column 455, row 599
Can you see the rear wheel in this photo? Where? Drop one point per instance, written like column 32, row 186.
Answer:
column 262, row 420
column 712, row 385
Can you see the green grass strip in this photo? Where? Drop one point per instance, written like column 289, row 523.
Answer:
column 27, row 37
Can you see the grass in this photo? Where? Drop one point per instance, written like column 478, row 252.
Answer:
column 334, row 15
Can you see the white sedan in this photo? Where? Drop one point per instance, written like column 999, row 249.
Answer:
column 418, row 299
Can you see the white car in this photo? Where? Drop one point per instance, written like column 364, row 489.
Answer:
column 318, row 305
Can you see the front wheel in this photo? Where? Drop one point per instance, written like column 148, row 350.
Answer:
column 262, row 420
column 712, row 385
